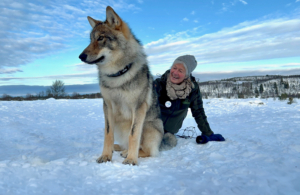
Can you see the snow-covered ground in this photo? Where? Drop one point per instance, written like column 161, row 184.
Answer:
column 51, row 147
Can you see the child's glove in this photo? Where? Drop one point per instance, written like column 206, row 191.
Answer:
column 203, row 139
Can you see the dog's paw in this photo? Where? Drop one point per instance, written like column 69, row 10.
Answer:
column 103, row 159
column 124, row 153
column 129, row 162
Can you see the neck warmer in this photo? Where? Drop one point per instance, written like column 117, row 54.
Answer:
column 180, row 91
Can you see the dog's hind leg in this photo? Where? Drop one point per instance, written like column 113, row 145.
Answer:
column 142, row 153
column 109, row 135
column 124, row 153
column 117, row 147
column 138, row 118
column 151, row 138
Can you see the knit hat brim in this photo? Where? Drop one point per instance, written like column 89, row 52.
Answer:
column 189, row 62
column 181, row 62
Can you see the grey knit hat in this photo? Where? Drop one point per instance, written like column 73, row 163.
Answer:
column 188, row 61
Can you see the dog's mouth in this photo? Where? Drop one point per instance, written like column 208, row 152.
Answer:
column 101, row 59
column 84, row 57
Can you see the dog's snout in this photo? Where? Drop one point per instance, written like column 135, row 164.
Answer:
column 83, row 57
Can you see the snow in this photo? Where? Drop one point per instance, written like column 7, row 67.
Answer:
column 51, row 147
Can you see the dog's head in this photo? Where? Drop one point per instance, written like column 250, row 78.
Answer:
column 108, row 40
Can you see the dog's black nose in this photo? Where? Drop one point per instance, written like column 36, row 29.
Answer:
column 83, row 57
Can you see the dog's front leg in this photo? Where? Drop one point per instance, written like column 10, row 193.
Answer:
column 135, row 134
column 109, row 134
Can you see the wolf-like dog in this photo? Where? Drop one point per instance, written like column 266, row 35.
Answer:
column 132, row 113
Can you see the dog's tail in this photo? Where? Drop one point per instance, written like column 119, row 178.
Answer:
column 168, row 142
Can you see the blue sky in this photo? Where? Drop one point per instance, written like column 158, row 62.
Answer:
column 41, row 40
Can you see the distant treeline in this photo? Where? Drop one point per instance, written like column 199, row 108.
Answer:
column 269, row 86
column 253, row 86
column 57, row 91
column 30, row 97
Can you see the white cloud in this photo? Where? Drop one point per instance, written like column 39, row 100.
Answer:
column 193, row 12
column 79, row 78
column 289, row 4
column 10, row 70
column 196, row 21
column 226, row 6
column 74, row 9
column 244, row 2
column 185, row 19
column 247, row 41
column 140, row 1
column 297, row 1
column 31, row 29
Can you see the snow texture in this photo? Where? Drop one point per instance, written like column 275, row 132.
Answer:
column 51, row 147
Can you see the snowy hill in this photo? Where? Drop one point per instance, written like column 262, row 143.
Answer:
column 51, row 147
column 252, row 86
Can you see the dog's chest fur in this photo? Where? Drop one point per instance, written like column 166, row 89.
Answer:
column 124, row 102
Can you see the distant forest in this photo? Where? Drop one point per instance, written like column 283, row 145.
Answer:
column 253, row 86
column 269, row 86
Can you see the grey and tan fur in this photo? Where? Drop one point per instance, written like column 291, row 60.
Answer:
column 132, row 114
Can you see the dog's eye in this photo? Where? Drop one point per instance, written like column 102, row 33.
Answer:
column 100, row 38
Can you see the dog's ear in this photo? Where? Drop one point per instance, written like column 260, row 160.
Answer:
column 92, row 21
column 115, row 22
column 112, row 18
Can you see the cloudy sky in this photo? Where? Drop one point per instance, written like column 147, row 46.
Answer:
column 40, row 41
